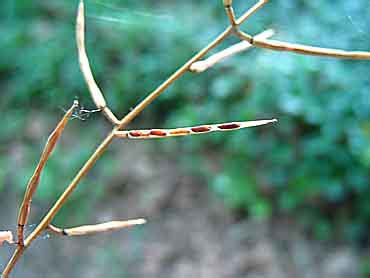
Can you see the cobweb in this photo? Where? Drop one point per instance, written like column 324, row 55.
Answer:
column 124, row 17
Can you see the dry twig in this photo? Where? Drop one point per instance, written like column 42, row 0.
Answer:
column 230, row 12
column 303, row 49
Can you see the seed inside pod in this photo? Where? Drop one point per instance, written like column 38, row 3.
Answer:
column 135, row 133
column 179, row 132
column 228, row 126
column 157, row 132
column 201, row 129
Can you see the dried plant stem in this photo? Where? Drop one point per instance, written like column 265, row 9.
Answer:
column 251, row 11
column 230, row 12
column 303, row 49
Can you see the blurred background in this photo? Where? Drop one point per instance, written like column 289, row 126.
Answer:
column 287, row 200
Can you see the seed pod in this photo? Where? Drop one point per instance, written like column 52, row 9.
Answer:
column 184, row 131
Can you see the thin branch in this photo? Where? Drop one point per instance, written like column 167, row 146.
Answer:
column 97, row 228
column 251, row 11
column 203, row 65
column 311, row 50
column 303, row 49
column 186, row 131
column 35, row 179
column 94, row 89
column 230, row 12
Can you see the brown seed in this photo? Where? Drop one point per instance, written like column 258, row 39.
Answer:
column 135, row 133
column 228, row 126
column 179, row 132
column 201, row 129
column 157, row 132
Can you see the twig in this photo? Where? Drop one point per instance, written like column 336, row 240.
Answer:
column 310, row 50
column 204, row 65
column 303, row 49
column 251, row 11
column 230, row 12
column 185, row 131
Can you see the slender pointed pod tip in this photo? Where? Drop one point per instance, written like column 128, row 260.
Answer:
column 6, row 236
column 81, row 8
column 266, row 34
column 269, row 121
column 199, row 66
column 140, row 221
column 257, row 123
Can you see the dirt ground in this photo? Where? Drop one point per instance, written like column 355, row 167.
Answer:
column 189, row 234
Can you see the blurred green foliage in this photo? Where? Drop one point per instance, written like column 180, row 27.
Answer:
column 314, row 163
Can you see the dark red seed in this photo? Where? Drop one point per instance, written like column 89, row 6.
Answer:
column 179, row 132
column 158, row 133
column 201, row 129
column 135, row 133
column 228, row 126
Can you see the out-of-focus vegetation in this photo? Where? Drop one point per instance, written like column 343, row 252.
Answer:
column 313, row 164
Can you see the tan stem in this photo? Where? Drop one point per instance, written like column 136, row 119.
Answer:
column 251, row 11
column 310, row 50
column 230, row 14
column 303, row 49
